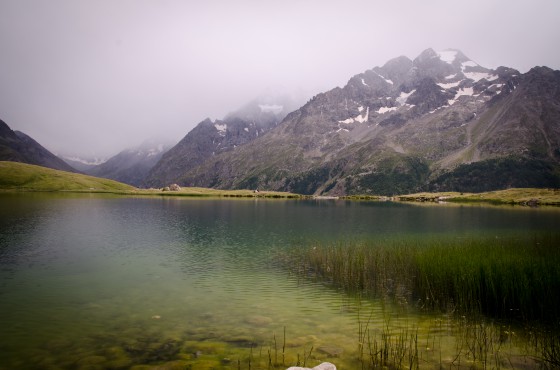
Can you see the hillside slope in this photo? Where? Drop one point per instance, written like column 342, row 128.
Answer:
column 131, row 166
column 22, row 176
column 18, row 147
column 212, row 138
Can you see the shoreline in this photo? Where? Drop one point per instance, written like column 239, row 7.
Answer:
column 515, row 197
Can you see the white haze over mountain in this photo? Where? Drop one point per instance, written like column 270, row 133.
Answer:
column 99, row 76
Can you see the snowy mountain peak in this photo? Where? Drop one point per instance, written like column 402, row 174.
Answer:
column 425, row 56
column 402, row 127
column 132, row 165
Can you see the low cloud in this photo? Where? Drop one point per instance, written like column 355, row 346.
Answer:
column 100, row 76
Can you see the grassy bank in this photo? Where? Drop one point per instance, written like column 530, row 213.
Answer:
column 514, row 277
column 522, row 196
column 206, row 192
column 16, row 176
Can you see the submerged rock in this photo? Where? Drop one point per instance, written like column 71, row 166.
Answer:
column 258, row 320
column 323, row 366
column 150, row 350
column 331, row 350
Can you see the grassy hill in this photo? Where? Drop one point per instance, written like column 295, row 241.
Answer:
column 28, row 177
column 15, row 176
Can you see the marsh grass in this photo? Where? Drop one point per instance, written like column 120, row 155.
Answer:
column 519, row 196
column 389, row 349
column 501, row 277
column 488, row 284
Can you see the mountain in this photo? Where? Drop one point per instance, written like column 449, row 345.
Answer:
column 81, row 162
column 438, row 122
column 15, row 146
column 211, row 138
column 131, row 166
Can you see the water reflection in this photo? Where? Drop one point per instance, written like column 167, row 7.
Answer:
column 108, row 276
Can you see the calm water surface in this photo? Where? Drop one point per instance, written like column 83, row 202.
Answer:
column 105, row 282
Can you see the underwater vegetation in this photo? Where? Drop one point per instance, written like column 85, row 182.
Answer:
column 487, row 284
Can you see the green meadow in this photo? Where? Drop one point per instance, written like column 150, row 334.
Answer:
column 26, row 177
column 15, row 176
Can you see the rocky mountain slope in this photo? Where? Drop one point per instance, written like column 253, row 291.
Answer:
column 438, row 122
column 15, row 146
column 212, row 138
column 131, row 166
column 81, row 162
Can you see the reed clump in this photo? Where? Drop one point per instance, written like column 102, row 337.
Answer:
column 513, row 277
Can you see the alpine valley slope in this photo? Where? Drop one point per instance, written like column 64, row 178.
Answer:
column 15, row 146
column 210, row 138
column 131, row 166
column 438, row 122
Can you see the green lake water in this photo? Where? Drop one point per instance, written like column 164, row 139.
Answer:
column 96, row 282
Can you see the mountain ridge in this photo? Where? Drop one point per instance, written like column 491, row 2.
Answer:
column 398, row 128
column 210, row 138
column 16, row 146
column 132, row 165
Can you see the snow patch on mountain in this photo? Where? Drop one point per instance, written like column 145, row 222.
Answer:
column 384, row 110
column 385, row 79
column 467, row 91
column 473, row 75
column 363, row 119
column 359, row 118
column 403, row 97
column 448, row 56
column 155, row 151
column 221, row 128
column 449, row 85
column 477, row 76
column 468, row 63
column 90, row 162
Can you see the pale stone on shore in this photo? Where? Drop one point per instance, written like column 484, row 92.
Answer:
column 323, row 366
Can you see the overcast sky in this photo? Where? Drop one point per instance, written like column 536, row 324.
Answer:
column 97, row 76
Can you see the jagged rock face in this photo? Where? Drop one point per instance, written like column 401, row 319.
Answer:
column 16, row 146
column 206, row 140
column 406, row 126
column 211, row 138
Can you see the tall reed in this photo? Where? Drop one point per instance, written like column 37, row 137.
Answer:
column 508, row 277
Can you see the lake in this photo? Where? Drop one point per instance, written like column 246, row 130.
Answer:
column 95, row 282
